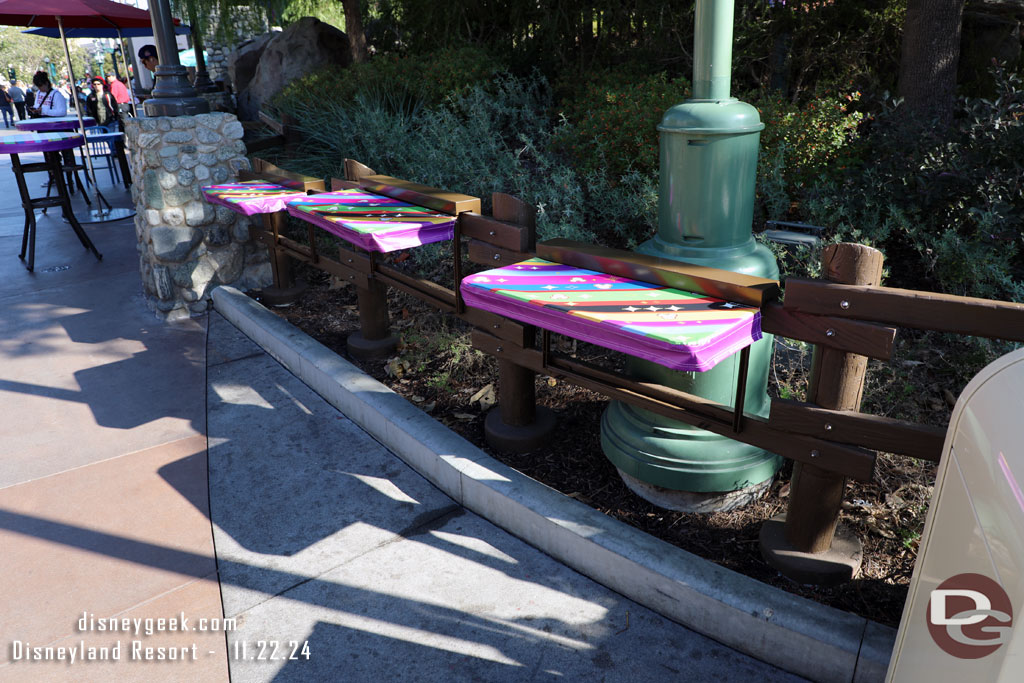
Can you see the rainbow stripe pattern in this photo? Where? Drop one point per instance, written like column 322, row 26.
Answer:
column 251, row 197
column 373, row 222
column 39, row 142
column 677, row 329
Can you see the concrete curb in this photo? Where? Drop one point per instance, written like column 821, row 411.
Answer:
column 801, row 636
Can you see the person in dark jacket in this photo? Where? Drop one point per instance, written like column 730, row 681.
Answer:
column 101, row 105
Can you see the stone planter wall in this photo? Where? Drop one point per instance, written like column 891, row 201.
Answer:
column 217, row 62
column 187, row 246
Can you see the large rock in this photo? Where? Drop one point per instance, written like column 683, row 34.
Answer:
column 242, row 62
column 303, row 47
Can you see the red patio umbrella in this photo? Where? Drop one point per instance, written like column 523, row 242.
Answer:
column 74, row 13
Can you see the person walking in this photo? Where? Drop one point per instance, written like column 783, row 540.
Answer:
column 6, row 106
column 121, row 95
column 17, row 93
column 30, row 99
column 101, row 105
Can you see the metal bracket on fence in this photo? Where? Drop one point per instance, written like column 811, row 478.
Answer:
column 741, row 390
column 460, row 306
column 794, row 234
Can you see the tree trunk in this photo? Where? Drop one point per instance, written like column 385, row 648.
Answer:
column 354, row 30
column 931, row 50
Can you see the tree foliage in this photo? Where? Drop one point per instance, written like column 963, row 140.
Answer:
column 228, row 21
column 27, row 54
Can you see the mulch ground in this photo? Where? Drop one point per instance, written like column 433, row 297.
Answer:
column 436, row 369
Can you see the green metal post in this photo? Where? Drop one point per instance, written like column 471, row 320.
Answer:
column 708, row 148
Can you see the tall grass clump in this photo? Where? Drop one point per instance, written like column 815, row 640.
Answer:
column 492, row 137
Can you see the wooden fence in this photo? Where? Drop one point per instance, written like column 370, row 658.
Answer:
column 848, row 317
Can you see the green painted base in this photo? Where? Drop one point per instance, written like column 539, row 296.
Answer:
column 674, row 455
column 680, row 457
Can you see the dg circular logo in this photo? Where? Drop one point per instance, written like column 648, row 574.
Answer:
column 969, row 616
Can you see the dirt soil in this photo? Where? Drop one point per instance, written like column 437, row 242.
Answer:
column 436, row 369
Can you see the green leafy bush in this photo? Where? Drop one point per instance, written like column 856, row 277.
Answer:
column 947, row 205
column 613, row 120
column 805, row 140
column 494, row 137
column 428, row 78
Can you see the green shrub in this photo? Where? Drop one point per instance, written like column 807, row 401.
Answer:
column 946, row 205
column 494, row 137
column 813, row 137
column 799, row 143
column 613, row 120
column 429, row 78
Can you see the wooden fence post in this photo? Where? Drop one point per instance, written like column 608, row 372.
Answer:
column 805, row 543
column 285, row 290
column 373, row 340
column 517, row 424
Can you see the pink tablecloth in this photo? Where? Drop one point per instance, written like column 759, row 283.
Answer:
column 374, row 222
column 677, row 329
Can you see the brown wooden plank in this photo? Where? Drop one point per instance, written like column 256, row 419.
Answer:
column 497, row 326
column 908, row 308
column 254, row 146
column 339, row 184
column 246, row 175
column 439, row 296
column 342, row 272
column 844, row 459
column 506, row 235
column 724, row 284
column 264, row 170
column 854, row 336
column 270, row 122
column 355, row 170
column 421, row 195
column 357, row 260
column 429, row 292
column 495, row 257
column 870, row 431
column 505, row 207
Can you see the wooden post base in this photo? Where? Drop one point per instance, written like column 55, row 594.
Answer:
column 282, row 296
column 508, row 438
column 361, row 348
column 837, row 565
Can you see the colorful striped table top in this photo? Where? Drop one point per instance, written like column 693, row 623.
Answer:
column 54, row 123
column 251, row 197
column 373, row 222
column 39, row 142
column 677, row 329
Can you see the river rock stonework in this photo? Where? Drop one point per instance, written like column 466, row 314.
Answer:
column 186, row 245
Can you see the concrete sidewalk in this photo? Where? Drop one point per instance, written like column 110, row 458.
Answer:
column 152, row 470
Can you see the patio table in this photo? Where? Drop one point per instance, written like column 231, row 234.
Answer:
column 51, row 145
column 50, row 124
column 56, row 124
column 373, row 222
column 680, row 330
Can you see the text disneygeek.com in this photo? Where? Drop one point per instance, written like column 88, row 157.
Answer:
column 136, row 648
